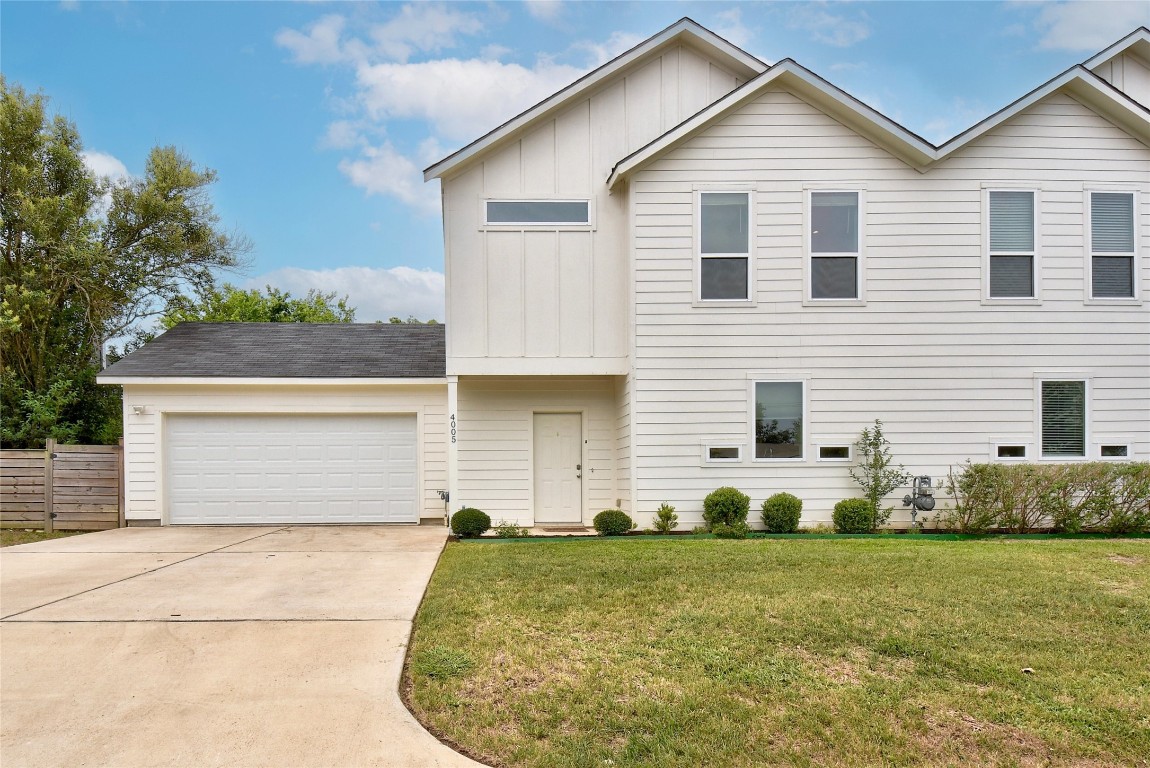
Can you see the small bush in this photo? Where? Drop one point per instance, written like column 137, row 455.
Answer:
column 736, row 530
column 854, row 516
column 781, row 513
column 726, row 505
column 506, row 530
column 613, row 522
column 665, row 518
column 468, row 523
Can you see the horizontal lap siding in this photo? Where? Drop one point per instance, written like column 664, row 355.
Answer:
column 945, row 373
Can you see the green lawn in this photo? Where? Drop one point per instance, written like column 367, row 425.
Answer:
column 11, row 536
column 803, row 653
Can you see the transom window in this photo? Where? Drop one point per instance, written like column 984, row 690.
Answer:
column 834, row 245
column 724, row 246
column 558, row 212
column 778, row 420
column 1011, row 244
column 1064, row 418
column 1112, row 245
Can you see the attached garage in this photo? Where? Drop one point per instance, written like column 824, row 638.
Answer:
column 266, row 423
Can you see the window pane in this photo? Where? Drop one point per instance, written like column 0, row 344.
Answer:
column 725, row 217
column 1012, row 451
column 1063, row 418
column 537, row 212
column 778, row 420
column 1114, row 451
column 834, row 222
column 834, row 277
column 1012, row 221
column 1112, row 222
column 724, row 453
column 834, row 452
column 1112, row 276
column 1011, row 277
column 724, row 278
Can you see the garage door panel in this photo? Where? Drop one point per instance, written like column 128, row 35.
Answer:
column 289, row 468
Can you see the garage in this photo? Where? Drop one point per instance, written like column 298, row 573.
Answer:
column 229, row 469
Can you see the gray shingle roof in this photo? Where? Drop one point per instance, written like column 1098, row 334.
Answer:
column 290, row 350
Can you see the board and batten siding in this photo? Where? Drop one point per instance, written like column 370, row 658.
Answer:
column 539, row 300
column 495, row 428
column 143, row 444
column 947, row 373
column 1129, row 74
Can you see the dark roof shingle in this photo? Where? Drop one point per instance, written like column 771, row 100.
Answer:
column 290, row 350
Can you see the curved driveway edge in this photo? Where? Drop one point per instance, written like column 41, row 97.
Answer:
column 261, row 646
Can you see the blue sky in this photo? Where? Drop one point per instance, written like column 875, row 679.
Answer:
column 318, row 117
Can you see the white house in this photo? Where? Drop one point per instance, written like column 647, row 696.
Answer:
column 690, row 269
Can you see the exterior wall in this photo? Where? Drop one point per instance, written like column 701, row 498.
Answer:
column 547, row 299
column 495, row 429
column 1129, row 74
column 623, row 460
column 144, row 438
column 947, row 372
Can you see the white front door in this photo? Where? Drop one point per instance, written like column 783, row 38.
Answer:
column 558, row 468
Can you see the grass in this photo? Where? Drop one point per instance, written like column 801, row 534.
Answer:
column 788, row 652
column 12, row 536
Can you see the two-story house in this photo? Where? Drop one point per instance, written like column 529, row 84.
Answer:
column 690, row 269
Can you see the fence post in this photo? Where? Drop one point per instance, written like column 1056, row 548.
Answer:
column 49, row 450
column 120, row 480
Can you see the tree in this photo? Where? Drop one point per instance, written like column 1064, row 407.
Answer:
column 411, row 320
column 875, row 472
column 230, row 304
column 77, row 271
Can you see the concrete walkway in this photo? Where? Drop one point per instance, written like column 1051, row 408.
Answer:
column 262, row 646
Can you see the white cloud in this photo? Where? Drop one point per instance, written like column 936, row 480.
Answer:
column 342, row 134
column 544, row 10
column 830, row 28
column 422, row 27
column 376, row 293
column 601, row 53
column 321, row 44
column 381, row 170
column 103, row 164
column 1080, row 25
column 730, row 27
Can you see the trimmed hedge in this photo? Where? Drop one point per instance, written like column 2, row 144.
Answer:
column 854, row 516
column 613, row 522
column 1102, row 496
column 469, row 523
column 732, row 531
column 726, row 505
column 781, row 513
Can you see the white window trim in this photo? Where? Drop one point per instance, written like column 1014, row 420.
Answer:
column 1126, row 441
column 860, row 256
column 1024, row 442
column 697, row 290
column 1036, row 258
column 781, row 378
column 832, row 443
column 1088, row 247
column 527, row 226
column 707, row 445
column 1087, row 440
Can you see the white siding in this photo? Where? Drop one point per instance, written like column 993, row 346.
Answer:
column 1129, row 74
column 946, row 372
column 143, row 460
column 534, row 299
column 495, row 440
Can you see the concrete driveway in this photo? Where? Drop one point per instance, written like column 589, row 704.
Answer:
column 268, row 646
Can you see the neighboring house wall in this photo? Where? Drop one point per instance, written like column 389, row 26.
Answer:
column 947, row 371
column 144, row 461
column 539, row 299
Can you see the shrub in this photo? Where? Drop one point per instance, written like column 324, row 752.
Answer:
column 736, row 530
column 726, row 505
column 665, row 518
column 781, row 513
column 854, row 516
column 506, row 530
column 468, row 523
column 613, row 522
column 875, row 472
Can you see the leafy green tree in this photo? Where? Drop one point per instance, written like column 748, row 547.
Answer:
column 875, row 472
column 230, row 304
column 77, row 271
column 412, row 319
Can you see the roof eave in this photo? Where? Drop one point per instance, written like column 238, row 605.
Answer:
column 1137, row 41
column 271, row 381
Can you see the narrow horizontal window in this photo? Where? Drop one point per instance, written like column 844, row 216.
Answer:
column 1011, row 244
column 834, row 245
column 1012, row 451
column 1112, row 245
column 1115, row 451
column 538, row 212
column 723, row 453
column 834, row 452
column 778, row 420
column 724, row 246
column 1064, row 418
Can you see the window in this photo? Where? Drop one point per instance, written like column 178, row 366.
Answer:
column 724, row 453
column 555, row 212
column 1011, row 451
column 1114, row 451
column 834, row 245
column 1063, row 418
column 724, row 246
column 1112, row 245
column 834, row 453
column 1011, row 245
column 778, row 420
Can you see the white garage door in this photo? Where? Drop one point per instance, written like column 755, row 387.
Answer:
column 224, row 469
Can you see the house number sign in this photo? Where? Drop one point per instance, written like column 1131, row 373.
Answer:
column 453, row 427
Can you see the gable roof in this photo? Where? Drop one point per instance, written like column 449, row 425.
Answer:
column 899, row 141
column 287, row 350
column 1137, row 42
column 685, row 30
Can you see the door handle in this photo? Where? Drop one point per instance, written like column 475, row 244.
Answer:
column 578, row 470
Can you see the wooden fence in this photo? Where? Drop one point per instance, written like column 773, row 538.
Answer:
column 67, row 487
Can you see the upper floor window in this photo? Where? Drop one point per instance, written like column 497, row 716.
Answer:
column 779, row 419
column 538, row 212
column 1112, row 245
column 724, row 246
column 1063, row 419
column 834, row 245
column 1011, row 244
